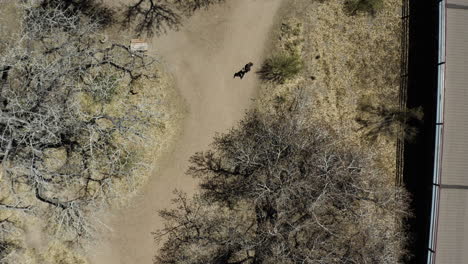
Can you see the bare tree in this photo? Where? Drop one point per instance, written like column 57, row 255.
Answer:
column 6, row 246
column 276, row 190
column 10, row 229
column 61, row 151
column 201, row 233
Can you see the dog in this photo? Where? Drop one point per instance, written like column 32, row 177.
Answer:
column 247, row 67
column 244, row 70
column 239, row 74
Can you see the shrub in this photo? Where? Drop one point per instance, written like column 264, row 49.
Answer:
column 280, row 68
column 368, row 6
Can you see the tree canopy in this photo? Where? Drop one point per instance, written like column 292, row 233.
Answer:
column 63, row 150
column 279, row 190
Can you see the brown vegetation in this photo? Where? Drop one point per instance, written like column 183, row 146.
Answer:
column 347, row 60
column 300, row 180
column 277, row 189
column 280, row 67
column 75, row 134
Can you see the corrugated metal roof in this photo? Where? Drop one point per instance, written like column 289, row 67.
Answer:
column 452, row 230
column 459, row 2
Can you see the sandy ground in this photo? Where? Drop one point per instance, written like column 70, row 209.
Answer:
column 203, row 57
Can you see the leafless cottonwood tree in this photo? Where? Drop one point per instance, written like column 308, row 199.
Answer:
column 10, row 228
column 277, row 190
column 58, row 156
column 6, row 246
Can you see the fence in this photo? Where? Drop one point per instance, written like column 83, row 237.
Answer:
column 400, row 146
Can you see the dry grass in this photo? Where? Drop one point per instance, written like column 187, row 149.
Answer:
column 348, row 61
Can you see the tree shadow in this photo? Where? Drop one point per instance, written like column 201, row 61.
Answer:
column 155, row 17
column 189, row 7
column 152, row 18
column 91, row 9
column 389, row 121
column 353, row 7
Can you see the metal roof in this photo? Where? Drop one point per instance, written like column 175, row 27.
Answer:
column 449, row 226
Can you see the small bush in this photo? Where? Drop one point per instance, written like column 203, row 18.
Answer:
column 371, row 7
column 280, row 68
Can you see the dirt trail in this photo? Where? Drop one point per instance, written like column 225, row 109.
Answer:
column 203, row 57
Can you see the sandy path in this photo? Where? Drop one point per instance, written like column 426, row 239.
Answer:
column 203, row 57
